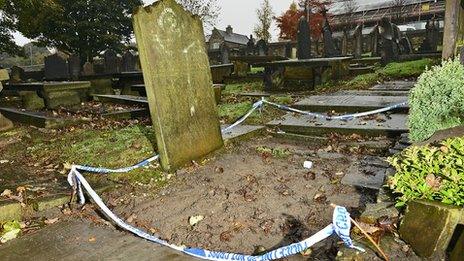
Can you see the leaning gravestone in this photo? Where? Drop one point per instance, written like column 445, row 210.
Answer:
column 57, row 67
column 5, row 123
column 178, row 83
column 329, row 45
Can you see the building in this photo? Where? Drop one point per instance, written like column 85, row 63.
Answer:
column 222, row 44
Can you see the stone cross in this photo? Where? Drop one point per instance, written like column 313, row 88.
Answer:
column 57, row 67
column 178, row 83
column 304, row 39
column 5, row 123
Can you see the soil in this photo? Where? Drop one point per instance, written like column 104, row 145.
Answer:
column 250, row 199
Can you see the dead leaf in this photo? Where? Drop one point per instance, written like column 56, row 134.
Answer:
column 6, row 193
column 92, row 239
column 193, row 220
column 51, row 221
column 4, row 161
column 225, row 236
column 433, row 181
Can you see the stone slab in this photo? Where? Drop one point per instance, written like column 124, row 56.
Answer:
column 70, row 240
column 393, row 126
column 373, row 93
column 127, row 114
column 368, row 173
column 178, row 81
column 122, row 99
column 241, row 132
column 34, row 119
column 394, row 86
column 434, row 222
column 348, row 103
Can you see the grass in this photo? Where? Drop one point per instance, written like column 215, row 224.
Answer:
column 229, row 112
column 255, row 70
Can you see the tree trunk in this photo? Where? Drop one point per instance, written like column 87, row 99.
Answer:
column 453, row 34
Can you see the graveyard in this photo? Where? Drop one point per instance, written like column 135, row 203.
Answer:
column 341, row 142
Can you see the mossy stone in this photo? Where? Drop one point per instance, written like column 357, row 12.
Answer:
column 63, row 98
column 178, row 82
column 31, row 100
column 429, row 226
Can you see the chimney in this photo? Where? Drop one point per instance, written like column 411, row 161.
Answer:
column 229, row 30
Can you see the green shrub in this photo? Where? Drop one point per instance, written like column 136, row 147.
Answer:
column 433, row 173
column 437, row 100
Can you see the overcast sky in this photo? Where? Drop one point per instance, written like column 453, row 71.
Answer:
column 240, row 14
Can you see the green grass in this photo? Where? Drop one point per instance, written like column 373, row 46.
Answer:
column 229, row 112
column 255, row 70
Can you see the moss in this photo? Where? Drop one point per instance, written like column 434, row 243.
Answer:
column 406, row 69
column 363, row 80
column 232, row 111
column 255, row 70
column 286, row 100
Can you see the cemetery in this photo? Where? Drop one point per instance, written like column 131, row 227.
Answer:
column 342, row 140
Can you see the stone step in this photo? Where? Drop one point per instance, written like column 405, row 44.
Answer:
column 394, row 86
column 393, row 126
column 349, row 103
column 35, row 119
column 122, row 99
column 355, row 70
column 373, row 93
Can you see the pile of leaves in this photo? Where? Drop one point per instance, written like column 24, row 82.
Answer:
column 430, row 172
column 437, row 100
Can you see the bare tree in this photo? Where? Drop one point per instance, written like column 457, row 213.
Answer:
column 265, row 16
column 349, row 7
column 208, row 10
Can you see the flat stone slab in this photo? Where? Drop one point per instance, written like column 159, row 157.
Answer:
column 349, row 103
column 258, row 94
column 35, row 119
column 48, row 86
column 374, row 93
column 123, row 99
column 394, row 86
column 241, row 131
column 80, row 240
column 393, row 126
column 368, row 173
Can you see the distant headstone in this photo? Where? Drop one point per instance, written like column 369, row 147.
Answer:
column 344, row 44
column 129, row 62
column 250, row 50
column 405, row 45
column 56, row 67
column 87, row 69
column 262, row 49
column 357, row 36
column 304, row 39
column 74, row 63
column 329, row 45
column 178, row 82
column 111, row 62
column 225, row 54
column 375, row 51
column 5, row 123
column 288, row 50
column 389, row 36
column 17, row 74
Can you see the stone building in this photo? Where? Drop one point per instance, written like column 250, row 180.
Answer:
column 222, row 44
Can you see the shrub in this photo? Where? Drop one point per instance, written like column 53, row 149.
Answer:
column 437, row 100
column 433, row 173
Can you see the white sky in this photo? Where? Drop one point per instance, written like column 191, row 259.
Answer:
column 240, row 14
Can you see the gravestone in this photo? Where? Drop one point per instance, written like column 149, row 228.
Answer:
column 250, row 50
column 262, row 49
column 344, row 44
column 5, row 124
column 178, row 82
column 288, row 50
column 432, row 37
column 304, row 39
column 111, row 62
column 57, row 67
column 17, row 74
column 129, row 62
column 329, row 46
column 375, row 52
column 74, row 63
column 225, row 53
column 87, row 69
column 389, row 36
column 357, row 36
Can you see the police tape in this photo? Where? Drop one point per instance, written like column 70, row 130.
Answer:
column 340, row 117
column 341, row 226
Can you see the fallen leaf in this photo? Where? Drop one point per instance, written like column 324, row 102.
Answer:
column 51, row 221
column 4, row 161
column 92, row 239
column 6, row 193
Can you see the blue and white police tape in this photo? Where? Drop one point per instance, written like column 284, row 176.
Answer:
column 340, row 117
column 255, row 106
column 341, row 226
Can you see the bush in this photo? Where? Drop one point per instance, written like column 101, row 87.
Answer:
column 437, row 100
column 433, row 173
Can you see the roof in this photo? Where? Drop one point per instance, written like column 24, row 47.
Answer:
column 232, row 38
column 338, row 7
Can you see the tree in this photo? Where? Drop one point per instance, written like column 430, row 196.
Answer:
column 75, row 26
column 207, row 10
column 349, row 7
column 397, row 9
column 265, row 16
column 288, row 21
column 7, row 43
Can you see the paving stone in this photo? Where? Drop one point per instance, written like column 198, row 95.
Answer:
column 35, row 119
column 364, row 175
column 429, row 226
column 178, row 82
column 349, row 103
column 378, row 210
column 373, row 93
column 70, row 240
column 242, row 132
column 394, row 86
column 122, row 99
column 393, row 126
